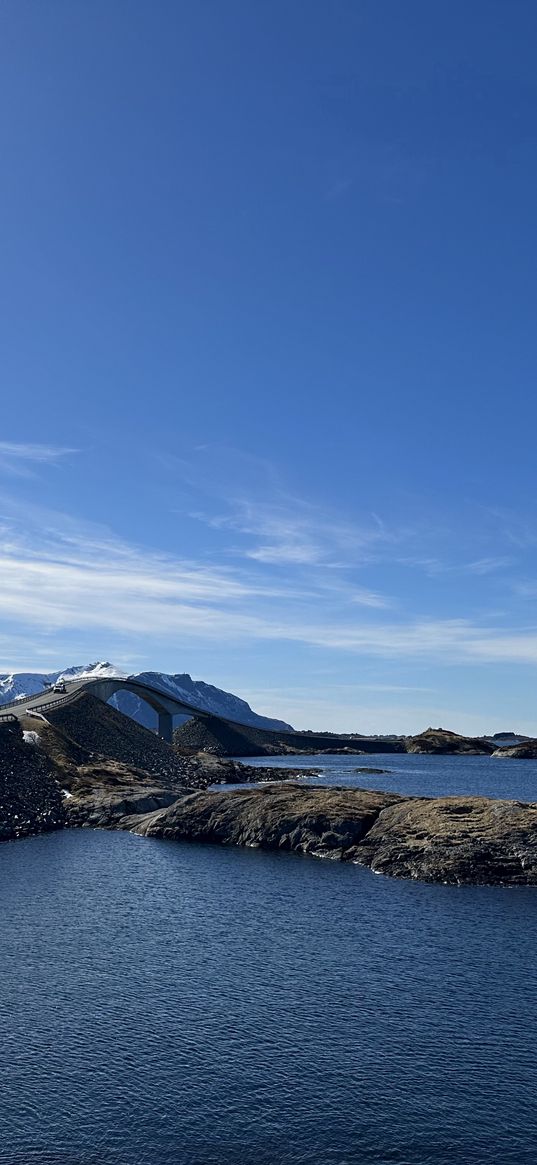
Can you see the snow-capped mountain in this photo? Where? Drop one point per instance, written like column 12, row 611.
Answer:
column 181, row 685
column 31, row 683
column 195, row 692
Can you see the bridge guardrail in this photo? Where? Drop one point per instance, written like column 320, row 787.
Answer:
column 9, row 718
column 15, row 703
column 55, row 703
column 21, row 701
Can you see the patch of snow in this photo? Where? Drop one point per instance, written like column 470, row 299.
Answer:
column 18, row 685
column 93, row 671
column 21, row 684
column 31, row 738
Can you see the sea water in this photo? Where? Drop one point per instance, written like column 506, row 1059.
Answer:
column 169, row 1003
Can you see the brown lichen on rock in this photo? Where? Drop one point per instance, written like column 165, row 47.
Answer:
column 445, row 839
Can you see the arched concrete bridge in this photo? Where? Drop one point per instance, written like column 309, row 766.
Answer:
column 165, row 705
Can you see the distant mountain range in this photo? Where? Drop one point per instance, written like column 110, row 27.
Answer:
column 182, row 686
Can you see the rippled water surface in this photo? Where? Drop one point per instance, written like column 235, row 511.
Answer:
column 426, row 776
column 176, row 1004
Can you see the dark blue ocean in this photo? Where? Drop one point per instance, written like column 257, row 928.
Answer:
column 180, row 1004
column 419, row 776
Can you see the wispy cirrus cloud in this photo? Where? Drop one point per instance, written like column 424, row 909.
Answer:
column 58, row 577
column 435, row 567
column 17, row 458
column 366, row 598
column 53, row 565
column 290, row 531
column 490, row 565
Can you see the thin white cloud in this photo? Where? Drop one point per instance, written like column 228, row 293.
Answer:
column 365, row 598
column 60, row 581
column 16, row 458
column 488, row 565
column 290, row 531
column 27, row 452
column 435, row 567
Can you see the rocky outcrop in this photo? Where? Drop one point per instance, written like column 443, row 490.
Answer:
column 62, row 776
column 216, row 770
column 458, row 840
column 441, row 741
column 30, row 796
column 105, row 808
column 527, row 750
column 472, row 840
column 325, row 822
column 373, row 772
column 102, row 793
column 507, row 738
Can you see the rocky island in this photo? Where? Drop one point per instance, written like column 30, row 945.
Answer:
column 459, row 840
column 442, row 742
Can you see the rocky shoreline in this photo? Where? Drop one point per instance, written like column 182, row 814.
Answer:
column 50, row 779
column 455, row 840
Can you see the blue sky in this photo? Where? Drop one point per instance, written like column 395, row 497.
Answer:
column 268, row 351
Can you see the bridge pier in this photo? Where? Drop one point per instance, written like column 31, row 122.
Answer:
column 165, row 726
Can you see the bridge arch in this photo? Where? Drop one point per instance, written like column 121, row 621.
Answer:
column 164, row 706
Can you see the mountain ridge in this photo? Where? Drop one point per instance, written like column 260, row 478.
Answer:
column 212, row 699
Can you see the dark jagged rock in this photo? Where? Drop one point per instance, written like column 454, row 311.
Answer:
column 216, row 770
column 221, row 739
column 103, row 792
column 30, row 796
column 346, row 750
column 105, row 808
column 441, row 741
column 318, row 821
